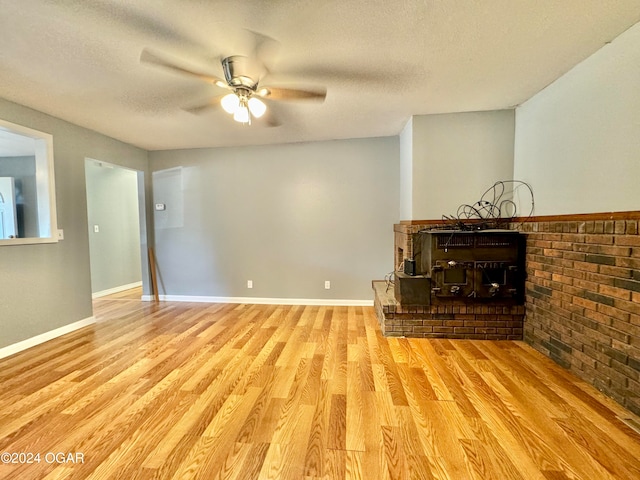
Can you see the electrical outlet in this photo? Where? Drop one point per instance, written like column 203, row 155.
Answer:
column 327, row 284
column 249, row 283
column 96, row 229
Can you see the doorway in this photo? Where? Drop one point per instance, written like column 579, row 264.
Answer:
column 116, row 223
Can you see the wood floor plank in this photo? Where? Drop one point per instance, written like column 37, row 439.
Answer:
column 479, row 461
column 447, row 443
column 315, row 455
column 242, row 392
column 373, row 462
column 366, row 371
column 312, row 383
column 337, row 434
column 288, row 415
column 354, row 433
column 394, row 453
column 427, row 364
column 216, row 446
column 252, row 466
column 496, row 451
column 418, row 431
column 391, row 371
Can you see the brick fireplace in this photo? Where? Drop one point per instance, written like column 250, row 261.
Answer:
column 441, row 318
column 582, row 300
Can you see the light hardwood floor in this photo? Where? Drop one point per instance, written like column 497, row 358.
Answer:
column 201, row 391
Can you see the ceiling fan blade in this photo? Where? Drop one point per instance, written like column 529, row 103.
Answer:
column 329, row 73
column 210, row 104
column 278, row 93
column 269, row 119
column 129, row 16
column 265, row 50
column 152, row 58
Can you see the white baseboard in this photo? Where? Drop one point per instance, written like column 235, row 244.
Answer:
column 113, row 290
column 44, row 337
column 262, row 301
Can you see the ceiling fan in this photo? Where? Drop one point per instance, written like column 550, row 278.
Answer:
column 242, row 76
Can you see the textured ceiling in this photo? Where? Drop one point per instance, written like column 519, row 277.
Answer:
column 381, row 61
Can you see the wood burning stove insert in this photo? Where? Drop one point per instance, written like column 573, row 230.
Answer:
column 475, row 265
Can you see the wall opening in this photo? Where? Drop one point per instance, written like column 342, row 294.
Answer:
column 116, row 224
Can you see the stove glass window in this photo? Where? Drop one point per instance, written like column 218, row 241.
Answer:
column 494, row 275
column 455, row 276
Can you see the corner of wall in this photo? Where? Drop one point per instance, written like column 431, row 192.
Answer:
column 406, row 171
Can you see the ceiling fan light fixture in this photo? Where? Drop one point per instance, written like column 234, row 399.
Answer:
column 242, row 77
column 241, row 114
column 230, row 103
column 257, row 107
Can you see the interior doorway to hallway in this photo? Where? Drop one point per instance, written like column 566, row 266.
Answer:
column 115, row 211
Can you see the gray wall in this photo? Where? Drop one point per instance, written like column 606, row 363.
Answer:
column 287, row 217
column 406, row 171
column 112, row 205
column 43, row 287
column 578, row 140
column 456, row 157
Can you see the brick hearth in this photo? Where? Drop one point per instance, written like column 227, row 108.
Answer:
column 450, row 320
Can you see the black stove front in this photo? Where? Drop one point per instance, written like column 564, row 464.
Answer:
column 484, row 264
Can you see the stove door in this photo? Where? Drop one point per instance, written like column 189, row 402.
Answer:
column 496, row 280
column 452, row 279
